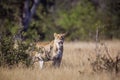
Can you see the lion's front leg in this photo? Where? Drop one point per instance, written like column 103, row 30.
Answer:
column 57, row 59
column 41, row 62
column 56, row 62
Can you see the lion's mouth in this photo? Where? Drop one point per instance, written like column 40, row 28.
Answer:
column 60, row 43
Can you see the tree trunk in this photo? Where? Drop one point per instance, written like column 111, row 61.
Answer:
column 28, row 13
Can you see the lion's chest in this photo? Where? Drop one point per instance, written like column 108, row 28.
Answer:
column 57, row 50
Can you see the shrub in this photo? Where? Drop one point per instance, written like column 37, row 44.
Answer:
column 10, row 56
column 106, row 62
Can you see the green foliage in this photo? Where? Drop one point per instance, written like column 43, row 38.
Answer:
column 80, row 21
column 80, row 18
column 9, row 56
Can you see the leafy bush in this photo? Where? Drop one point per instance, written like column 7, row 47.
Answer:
column 10, row 56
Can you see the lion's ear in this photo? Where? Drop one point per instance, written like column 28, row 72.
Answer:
column 55, row 34
column 64, row 34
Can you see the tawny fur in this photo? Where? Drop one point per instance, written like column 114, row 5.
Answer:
column 52, row 50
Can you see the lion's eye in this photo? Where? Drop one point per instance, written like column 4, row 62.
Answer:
column 62, row 37
column 58, row 36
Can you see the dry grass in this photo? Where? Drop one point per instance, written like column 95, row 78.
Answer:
column 75, row 65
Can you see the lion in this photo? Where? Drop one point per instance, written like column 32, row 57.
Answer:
column 50, row 51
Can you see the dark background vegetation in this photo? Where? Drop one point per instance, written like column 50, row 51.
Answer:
column 80, row 18
column 37, row 20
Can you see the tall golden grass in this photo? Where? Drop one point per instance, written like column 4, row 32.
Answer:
column 76, row 65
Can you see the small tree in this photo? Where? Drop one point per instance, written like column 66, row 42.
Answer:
column 80, row 21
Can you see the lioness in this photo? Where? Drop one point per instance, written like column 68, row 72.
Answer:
column 52, row 51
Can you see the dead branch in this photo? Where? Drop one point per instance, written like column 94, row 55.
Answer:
column 107, row 51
